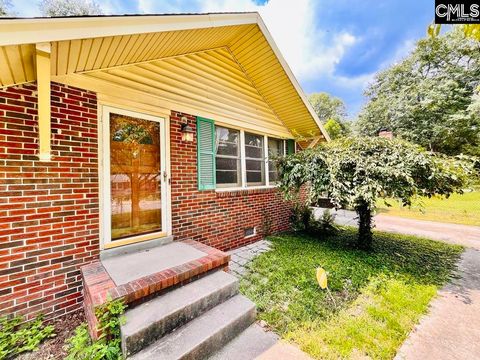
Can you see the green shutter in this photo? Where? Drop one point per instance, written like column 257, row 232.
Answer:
column 205, row 154
column 290, row 146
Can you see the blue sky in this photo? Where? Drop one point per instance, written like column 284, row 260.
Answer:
column 331, row 45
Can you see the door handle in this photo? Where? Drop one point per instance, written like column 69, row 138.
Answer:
column 165, row 176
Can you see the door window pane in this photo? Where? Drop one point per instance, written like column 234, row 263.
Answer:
column 254, row 159
column 227, row 159
column 134, row 176
column 276, row 148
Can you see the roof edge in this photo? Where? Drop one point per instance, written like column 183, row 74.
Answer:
column 26, row 30
column 291, row 76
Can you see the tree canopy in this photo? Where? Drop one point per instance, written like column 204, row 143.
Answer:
column 5, row 6
column 427, row 98
column 355, row 172
column 327, row 106
column 332, row 113
column 69, row 7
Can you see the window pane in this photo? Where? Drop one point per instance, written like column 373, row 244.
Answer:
column 255, row 168
column 254, row 140
column 255, row 172
column 227, row 158
column 226, row 163
column 226, row 141
column 228, row 172
column 272, row 176
column 253, row 152
column 254, row 165
column 227, row 178
column 255, row 178
column 136, row 202
column 275, row 147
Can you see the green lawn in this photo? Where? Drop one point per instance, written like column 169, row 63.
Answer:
column 459, row 209
column 379, row 295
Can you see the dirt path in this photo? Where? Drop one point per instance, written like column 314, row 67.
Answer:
column 468, row 236
column 465, row 235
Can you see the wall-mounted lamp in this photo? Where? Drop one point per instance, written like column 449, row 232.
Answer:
column 187, row 131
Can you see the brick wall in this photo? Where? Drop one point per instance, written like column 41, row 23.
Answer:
column 217, row 219
column 48, row 210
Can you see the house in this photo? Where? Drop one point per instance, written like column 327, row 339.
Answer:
column 119, row 134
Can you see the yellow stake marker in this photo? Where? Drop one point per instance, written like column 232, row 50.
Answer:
column 322, row 278
column 323, row 282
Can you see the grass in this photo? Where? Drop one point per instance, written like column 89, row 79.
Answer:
column 458, row 209
column 378, row 296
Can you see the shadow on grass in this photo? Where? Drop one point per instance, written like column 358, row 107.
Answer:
column 282, row 282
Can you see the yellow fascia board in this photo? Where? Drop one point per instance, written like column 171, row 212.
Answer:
column 290, row 75
column 38, row 30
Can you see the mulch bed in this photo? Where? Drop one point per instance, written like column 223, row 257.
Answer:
column 54, row 347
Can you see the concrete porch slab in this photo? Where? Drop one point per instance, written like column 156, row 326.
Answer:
column 125, row 268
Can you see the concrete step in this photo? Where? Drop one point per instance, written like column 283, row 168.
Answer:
column 153, row 319
column 204, row 335
column 250, row 344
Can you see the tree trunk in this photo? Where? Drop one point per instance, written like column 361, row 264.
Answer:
column 364, row 240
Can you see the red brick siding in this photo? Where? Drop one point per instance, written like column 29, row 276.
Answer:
column 48, row 210
column 217, row 219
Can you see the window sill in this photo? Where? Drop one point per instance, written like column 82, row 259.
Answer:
column 233, row 192
column 232, row 189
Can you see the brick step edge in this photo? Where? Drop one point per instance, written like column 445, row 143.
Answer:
column 99, row 288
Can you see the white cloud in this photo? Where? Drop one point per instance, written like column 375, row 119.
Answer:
column 293, row 28
column 309, row 51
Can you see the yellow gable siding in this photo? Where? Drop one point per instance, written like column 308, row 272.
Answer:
column 210, row 83
column 105, row 52
column 216, row 65
column 255, row 55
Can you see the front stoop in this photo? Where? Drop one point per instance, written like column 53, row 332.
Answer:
column 99, row 285
column 204, row 335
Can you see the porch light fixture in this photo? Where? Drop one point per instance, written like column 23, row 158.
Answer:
column 187, row 131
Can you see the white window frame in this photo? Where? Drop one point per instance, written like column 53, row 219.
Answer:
column 264, row 137
column 267, row 158
column 243, row 161
column 227, row 186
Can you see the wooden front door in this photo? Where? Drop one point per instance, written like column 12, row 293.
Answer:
column 135, row 173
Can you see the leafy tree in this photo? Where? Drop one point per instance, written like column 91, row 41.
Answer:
column 472, row 31
column 5, row 6
column 327, row 106
column 336, row 129
column 469, row 30
column 69, row 7
column 331, row 112
column 425, row 98
column 355, row 172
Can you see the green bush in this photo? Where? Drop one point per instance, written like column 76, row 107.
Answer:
column 301, row 217
column 326, row 224
column 16, row 337
column 108, row 346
